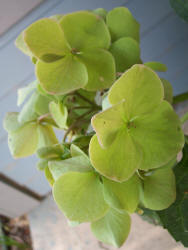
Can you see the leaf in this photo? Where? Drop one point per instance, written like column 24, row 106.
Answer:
column 113, row 228
column 19, row 144
column 121, row 23
column 140, row 87
column 20, row 44
column 27, row 112
column 159, row 189
column 160, row 135
column 62, row 76
column 168, row 90
column 74, row 164
column 119, row 161
column 25, row 91
column 100, row 67
column 156, row 66
column 10, row 122
column 108, row 123
column 181, row 8
column 45, row 37
column 126, row 52
column 85, row 30
column 49, row 176
column 174, row 218
column 80, row 196
column 46, row 136
column 101, row 12
column 59, row 113
column 122, row 196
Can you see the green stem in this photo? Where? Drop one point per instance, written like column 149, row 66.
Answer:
column 180, row 98
column 86, row 99
column 74, row 124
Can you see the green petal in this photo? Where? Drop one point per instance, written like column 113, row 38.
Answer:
column 46, row 136
column 159, row 189
column 156, row 66
column 168, row 90
column 122, row 196
column 62, row 76
column 20, row 44
column 23, row 141
column 119, row 161
column 59, row 113
column 41, row 105
column 140, row 87
column 101, row 12
column 25, row 91
column 50, row 152
column 75, row 164
column 49, row 176
column 85, row 30
column 80, row 196
column 113, row 228
column 76, row 151
column 160, row 136
column 126, row 52
column 121, row 23
column 45, row 37
column 100, row 67
column 28, row 112
column 10, row 122
column 108, row 123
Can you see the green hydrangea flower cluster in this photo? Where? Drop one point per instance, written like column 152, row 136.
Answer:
column 121, row 135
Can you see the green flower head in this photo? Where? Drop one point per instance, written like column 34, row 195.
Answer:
column 71, row 52
column 139, row 131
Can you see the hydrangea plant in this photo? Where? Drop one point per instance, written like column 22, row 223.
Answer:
column 120, row 134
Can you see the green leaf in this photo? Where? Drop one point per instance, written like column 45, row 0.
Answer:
column 160, row 135
column 101, row 12
column 156, row 66
column 25, row 91
column 181, row 8
column 119, row 161
column 45, row 37
column 113, row 228
column 140, row 87
column 168, row 90
column 28, row 112
column 75, row 164
column 46, row 136
column 159, row 189
column 23, row 141
column 80, row 196
column 10, row 122
column 50, row 152
column 122, row 196
column 126, row 52
column 121, row 23
column 174, row 218
column 20, row 44
column 62, row 76
column 85, row 30
column 100, row 67
column 59, row 113
column 108, row 123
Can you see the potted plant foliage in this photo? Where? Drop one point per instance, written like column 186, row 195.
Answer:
column 120, row 134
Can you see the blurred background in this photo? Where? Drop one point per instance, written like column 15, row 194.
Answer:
column 164, row 37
